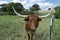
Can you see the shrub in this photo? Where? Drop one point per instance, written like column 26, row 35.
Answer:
column 57, row 15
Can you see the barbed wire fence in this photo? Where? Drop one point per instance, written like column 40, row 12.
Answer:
column 50, row 29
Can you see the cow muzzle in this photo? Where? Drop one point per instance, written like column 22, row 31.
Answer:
column 33, row 27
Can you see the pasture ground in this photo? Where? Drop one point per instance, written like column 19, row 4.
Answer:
column 12, row 28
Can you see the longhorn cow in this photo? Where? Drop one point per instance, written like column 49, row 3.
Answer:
column 32, row 22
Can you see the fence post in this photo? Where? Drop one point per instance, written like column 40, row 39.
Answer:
column 51, row 26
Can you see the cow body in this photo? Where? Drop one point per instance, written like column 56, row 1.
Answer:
column 32, row 22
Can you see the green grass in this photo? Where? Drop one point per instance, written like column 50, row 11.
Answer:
column 13, row 28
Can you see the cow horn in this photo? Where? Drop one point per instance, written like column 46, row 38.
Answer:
column 18, row 13
column 45, row 15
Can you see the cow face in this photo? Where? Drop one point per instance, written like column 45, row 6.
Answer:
column 32, row 21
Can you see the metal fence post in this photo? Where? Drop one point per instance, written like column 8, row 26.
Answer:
column 51, row 26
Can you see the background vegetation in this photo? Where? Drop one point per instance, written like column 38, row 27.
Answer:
column 57, row 13
column 12, row 26
column 7, row 9
column 19, row 8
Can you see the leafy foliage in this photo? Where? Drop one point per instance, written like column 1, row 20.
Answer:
column 3, row 9
column 57, row 13
column 49, row 8
column 57, row 8
column 35, row 7
column 19, row 8
column 8, row 8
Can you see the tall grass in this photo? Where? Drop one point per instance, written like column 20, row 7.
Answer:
column 13, row 28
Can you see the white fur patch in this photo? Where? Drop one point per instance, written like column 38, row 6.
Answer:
column 33, row 28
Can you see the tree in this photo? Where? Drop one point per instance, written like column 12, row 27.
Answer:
column 35, row 7
column 57, row 8
column 3, row 9
column 57, row 12
column 18, row 6
column 49, row 8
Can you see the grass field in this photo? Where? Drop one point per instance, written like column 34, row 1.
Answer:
column 12, row 28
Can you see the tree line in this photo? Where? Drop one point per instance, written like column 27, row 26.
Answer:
column 19, row 8
column 7, row 8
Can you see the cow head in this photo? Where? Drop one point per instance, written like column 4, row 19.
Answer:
column 32, row 19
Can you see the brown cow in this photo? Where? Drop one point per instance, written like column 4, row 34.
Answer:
column 32, row 22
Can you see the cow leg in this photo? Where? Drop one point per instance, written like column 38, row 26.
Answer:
column 30, row 35
column 34, row 35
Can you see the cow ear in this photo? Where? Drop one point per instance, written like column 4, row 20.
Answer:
column 39, row 19
column 26, row 19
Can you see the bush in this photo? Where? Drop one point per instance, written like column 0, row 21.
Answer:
column 10, row 13
column 57, row 15
column 26, row 12
column 7, row 13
